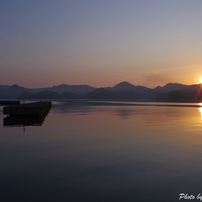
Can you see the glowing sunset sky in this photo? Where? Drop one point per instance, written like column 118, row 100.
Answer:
column 100, row 42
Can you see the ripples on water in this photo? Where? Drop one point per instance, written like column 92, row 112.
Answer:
column 104, row 153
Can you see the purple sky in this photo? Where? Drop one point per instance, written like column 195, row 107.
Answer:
column 100, row 43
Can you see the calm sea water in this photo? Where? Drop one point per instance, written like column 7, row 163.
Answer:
column 98, row 153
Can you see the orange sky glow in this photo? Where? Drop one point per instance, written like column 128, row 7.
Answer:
column 100, row 43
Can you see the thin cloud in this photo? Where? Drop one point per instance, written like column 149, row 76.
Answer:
column 154, row 79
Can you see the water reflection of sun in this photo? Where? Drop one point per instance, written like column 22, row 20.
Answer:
column 200, row 109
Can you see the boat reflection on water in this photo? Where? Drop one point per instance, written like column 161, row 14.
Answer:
column 22, row 121
column 27, row 119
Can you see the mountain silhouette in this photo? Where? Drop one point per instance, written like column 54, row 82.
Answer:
column 76, row 89
column 41, row 95
column 103, row 93
column 12, row 91
column 122, row 86
column 100, row 93
column 70, row 95
column 192, row 93
column 3, row 86
column 122, row 90
column 172, row 86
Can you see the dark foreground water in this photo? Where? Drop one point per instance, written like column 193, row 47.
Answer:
column 98, row 153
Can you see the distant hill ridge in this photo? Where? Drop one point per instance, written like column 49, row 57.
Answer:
column 123, row 90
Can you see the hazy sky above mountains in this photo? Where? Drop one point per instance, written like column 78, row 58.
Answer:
column 100, row 42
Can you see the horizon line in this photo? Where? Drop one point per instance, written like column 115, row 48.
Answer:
column 98, row 87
